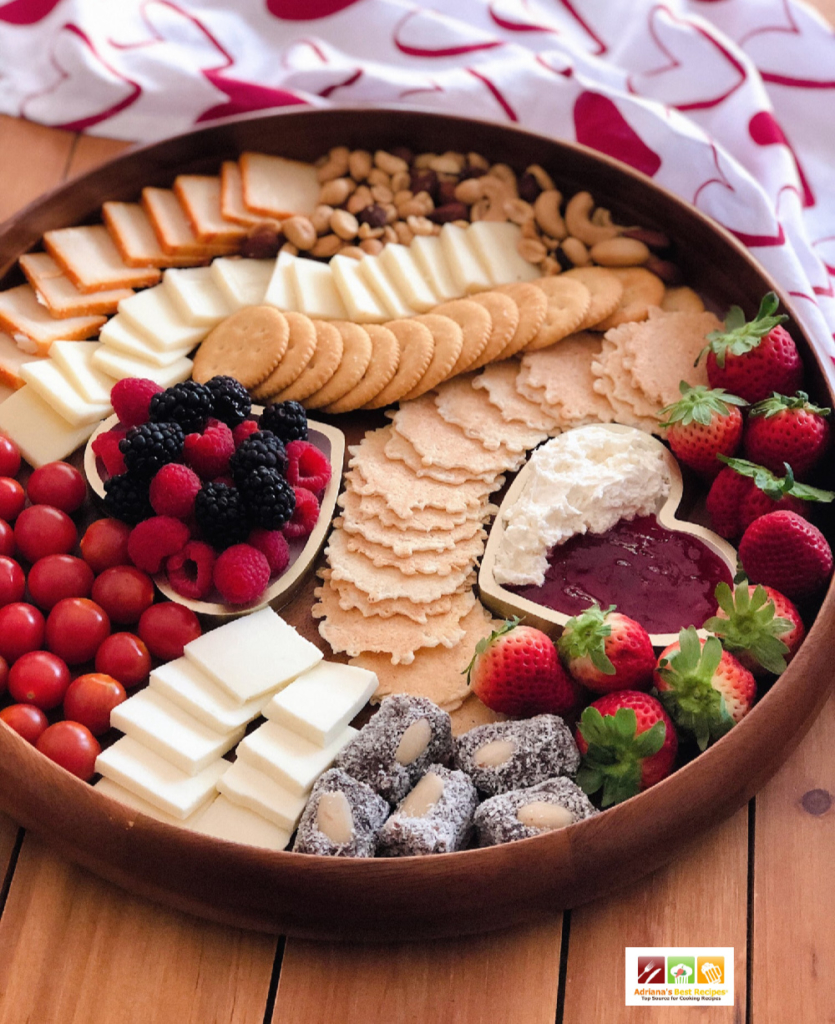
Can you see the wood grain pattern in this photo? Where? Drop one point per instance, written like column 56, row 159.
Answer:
column 508, row 977
column 8, row 837
column 34, row 161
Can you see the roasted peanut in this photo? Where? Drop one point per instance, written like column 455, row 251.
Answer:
column 371, row 246
column 360, row 164
column 353, row 251
column 517, row 210
column 422, row 226
column 335, row 166
column 359, row 200
column 448, row 163
column 377, row 177
column 478, row 161
column 389, row 163
column 344, row 224
column 400, row 181
column 321, row 218
column 576, row 251
column 327, row 245
column 300, row 231
column 531, row 249
column 469, row 191
column 334, row 193
column 404, row 232
column 619, row 252
column 367, row 231
column 505, row 174
column 382, row 194
column 423, row 160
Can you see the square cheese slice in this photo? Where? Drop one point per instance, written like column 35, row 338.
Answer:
column 57, row 292
column 91, row 260
column 133, row 234
column 281, row 290
column 119, row 365
column 75, row 358
column 199, row 196
column 158, row 781
column 107, row 787
column 248, row 787
column 291, row 760
column 33, row 327
column 168, row 730
column 57, row 390
column 381, row 285
column 119, row 335
column 495, row 246
column 236, row 824
column 407, row 277
column 153, row 315
column 316, row 290
column 465, row 266
column 320, row 704
column 243, row 282
column 41, row 434
column 11, row 360
column 182, row 682
column 359, row 300
column 428, row 253
column 253, row 655
column 196, row 296
column 277, row 187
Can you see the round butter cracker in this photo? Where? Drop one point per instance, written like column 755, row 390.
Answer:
column 322, row 366
column 356, row 355
column 505, row 316
column 247, row 345
column 641, row 290
column 475, row 323
column 416, row 347
column 300, row 349
column 568, row 302
column 448, row 341
column 385, row 356
column 532, row 303
column 605, row 292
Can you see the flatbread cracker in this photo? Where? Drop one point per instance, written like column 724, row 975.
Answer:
column 385, row 356
column 532, row 303
column 499, row 382
column 448, row 341
column 416, row 347
column 605, row 291
column 356, row 355
column 403, row 542
column 247, row 345
column 563, row 377
column 460, row 403
column 504, row 314
column 641, row 290
column 473, row 713
column 426, row 520
column 322, row 366
column 350, row 596
column 568, row 302
column 613, row 380
column 300, row 349
column 475, row 324
column 443, row 562
column 401, row 449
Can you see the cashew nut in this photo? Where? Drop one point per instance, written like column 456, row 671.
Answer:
column 579, row 223
column 619, row 252
column 546, row 210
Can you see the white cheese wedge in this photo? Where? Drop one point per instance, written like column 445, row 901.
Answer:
column 362, row 306
column 495, row 244
column 182, row 682
column 281, row 291
column 168, row 730
column 253, row 655
column 321, row 703
column 465, row 267
column 196, row 296
column 250, row 788
column 107, row 787
column 432, row 262
column 41, row 434
column 236, row 824
column 375, row 276
column 316, row 290
column 153, row 314
column 119, row 335
column 403, row 271
column 119, row 365
column 243, row 282
column 56, row 389
column 158, row 781
column 76, row 360
column 291, row 760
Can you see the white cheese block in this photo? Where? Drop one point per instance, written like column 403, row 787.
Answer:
column 495, row 244
column 375, row 276
column 253, row 655
column 153, row 314
column 320, row 704
column 196, row 296
column 55, row 388
column 281, row 291
column 119, row 335
column 431, row 260
column 250, row 788
column 465, row 267
column 236, row 824
column 243, row 282
column 291, row 760
column 107, row 787
column 158, row 781
column 41, row 434
column 168, row 730
column 399, row 263
column 76, row 360
column 182, row 682
column 316, row 290
column 362, row 306
column 120, row 365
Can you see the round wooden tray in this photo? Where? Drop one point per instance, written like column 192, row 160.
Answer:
column 456, row 893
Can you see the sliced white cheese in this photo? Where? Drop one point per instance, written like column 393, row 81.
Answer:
column 107, row 787
column 156, row 780
column 196, row 296
column 41, row 434
column 430, row 258
column 495, row 244
column 242, row 281
column 375, row 276
column 291, row 760
column 118, row 334
column 404, row 273
column 362, row 306
column 281, row 291
column 153, row 314
column 248, row 787
column 55, row 388
column 465, row 267
column 236, row 824
column 76, row 360
column 316, row 290
column 119, row 365
column 320, row 704
column 253, row 655
column 182, row 682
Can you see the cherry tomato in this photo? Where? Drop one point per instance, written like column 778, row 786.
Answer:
column 90, row 699
column 124, row 592
column 12, row 498
column 167, row 627
column 55, row 577
column 21, row 630
column 42, row 530
column 12, row 581
column 26, row 720
column 75, row 629
column 72, row 746
column 39, row 678
column 4, row 674
column 105, row 544
column 125, row 657
column 9, row 457
column 6, row 538
column 58, row 484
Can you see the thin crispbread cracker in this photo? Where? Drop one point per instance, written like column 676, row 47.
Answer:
column 400, row 449
column 464, row 553
column 385, row 357
column 133, row 234
column 301, row 345
column 322, row 366
column 460, row 403
column 532, row 303
column 199, row 196
column 641, row 290
column 563, row 377
column 682, row 300
column 425, row 520
column 475, row 323
column 90, row 259
column 247, row 345
column 350, row 596
column 499, row 382
column 31, row 325
column 605, row 292
column 60, row 296
column 448, row 340
column 403, row 542
column 416, row 347
column 614, row 382
column 356, row 355
column 504, row 314
column 473, row 713
column 568, row 302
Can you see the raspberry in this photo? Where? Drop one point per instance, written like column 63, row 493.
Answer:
column 190, row 570
column 208, row 453
column 307, row 466
column 243, row 430
column 154, row 539
column 273, row 544
column 106, row 447
column 241, row 574
column 305, row 514
column 173, row 491
column 131, row 399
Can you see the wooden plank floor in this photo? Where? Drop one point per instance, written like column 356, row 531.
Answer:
column 76, row 950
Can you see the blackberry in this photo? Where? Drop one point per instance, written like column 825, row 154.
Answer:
column 126, row 498
column 230, row 401
column 221, row 515
column 269, row 499
column 150, row 447
column 188, row 403
column 286, row 420
column 260, row 449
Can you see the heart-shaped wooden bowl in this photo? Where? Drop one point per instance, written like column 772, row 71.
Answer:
column 475, row 890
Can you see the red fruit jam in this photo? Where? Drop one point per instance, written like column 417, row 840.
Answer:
column 663, row 578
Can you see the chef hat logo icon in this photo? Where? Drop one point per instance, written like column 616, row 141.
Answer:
column 710, row 970
column 681, row 970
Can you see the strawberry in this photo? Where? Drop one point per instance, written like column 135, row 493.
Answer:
column 755, row 358
column 781, row 429
column 607, row 651
column 723, row 501
column 705, row 689
column 784, row 551
column 758, row 625
column 628, row 744
column 701, row 425
column 516, row 671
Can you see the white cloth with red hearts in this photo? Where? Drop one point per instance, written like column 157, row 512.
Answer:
column 726, row 102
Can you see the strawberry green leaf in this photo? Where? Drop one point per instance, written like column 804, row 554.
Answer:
column 776, row 487
column 698, row 404
column 740, row 337
column 589, row 780
column 485, row 643
column 616, row 751
column 585, row 635
column 751, row 624
column 777, row 403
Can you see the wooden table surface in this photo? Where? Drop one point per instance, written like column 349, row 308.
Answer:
column 76, row 950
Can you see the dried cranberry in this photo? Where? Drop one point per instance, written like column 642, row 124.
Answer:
column 449, row 212
column 404, row 153
column 472, row 172
column 424, row 181
column 262, row 243
column 446, row 192
column 528, row 187
column 373, row 215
